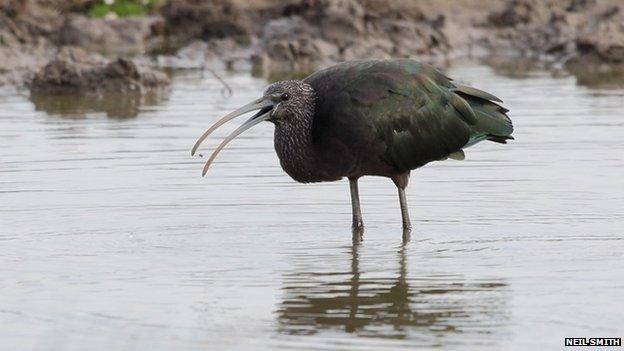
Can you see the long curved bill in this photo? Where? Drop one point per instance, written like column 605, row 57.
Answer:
column 264, row 114
column 259, row 104
column 257, row 118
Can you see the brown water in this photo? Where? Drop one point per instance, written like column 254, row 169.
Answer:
column 110, row 239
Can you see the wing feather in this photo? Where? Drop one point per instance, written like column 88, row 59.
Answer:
column 416, row 116
column 410, row 111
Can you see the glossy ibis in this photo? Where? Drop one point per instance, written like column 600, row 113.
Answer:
column 371, row 117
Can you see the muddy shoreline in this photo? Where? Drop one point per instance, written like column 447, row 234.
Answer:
column 277, row 39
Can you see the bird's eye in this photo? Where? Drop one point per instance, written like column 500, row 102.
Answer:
column 285, row 96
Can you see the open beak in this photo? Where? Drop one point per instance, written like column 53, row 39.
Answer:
column 265, row 106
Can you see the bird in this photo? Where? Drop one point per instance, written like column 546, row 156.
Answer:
column 370, row 118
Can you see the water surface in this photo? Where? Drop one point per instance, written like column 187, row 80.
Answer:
column 110, row 238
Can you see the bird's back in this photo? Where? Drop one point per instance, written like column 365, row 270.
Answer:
column 382, row 117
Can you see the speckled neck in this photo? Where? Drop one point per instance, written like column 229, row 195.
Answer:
column 294, row 147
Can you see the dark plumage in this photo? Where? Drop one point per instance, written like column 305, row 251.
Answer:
column 372, row 117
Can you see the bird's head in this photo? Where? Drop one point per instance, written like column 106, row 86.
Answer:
column 282, row 102
column 290, row 97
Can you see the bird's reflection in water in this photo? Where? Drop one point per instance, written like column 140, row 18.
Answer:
column 402, row 307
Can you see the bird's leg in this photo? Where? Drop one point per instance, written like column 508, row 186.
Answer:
column 358, row 223
column 407, row 235
column 407, row 225
column 401, row 182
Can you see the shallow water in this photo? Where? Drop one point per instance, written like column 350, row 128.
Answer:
column 112, row 240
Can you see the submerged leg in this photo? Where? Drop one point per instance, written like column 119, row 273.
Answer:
column 355, row 204
column 407, row 225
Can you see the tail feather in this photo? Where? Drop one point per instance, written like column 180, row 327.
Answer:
column 474, row 92
column 500, row 139
column 492, row 120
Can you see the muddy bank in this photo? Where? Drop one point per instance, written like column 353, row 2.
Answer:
column 284, row 38
column 77, row 80
column 74, row 70
column 572, row 30
column 305, row 33
column 27, row 31
column 33, row 32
